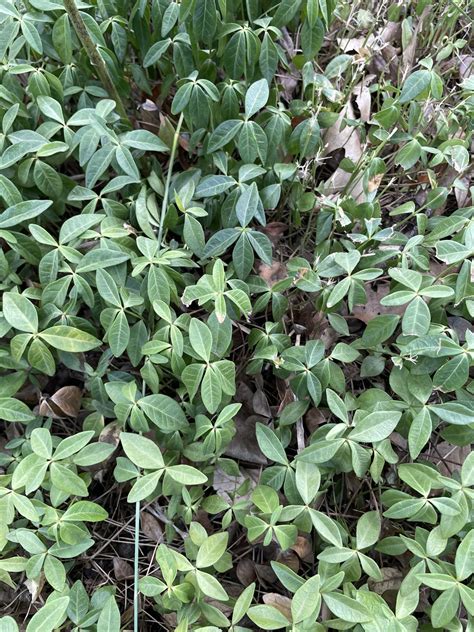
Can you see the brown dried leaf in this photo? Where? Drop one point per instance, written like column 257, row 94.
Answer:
column 304, row 548
column 226, row 485
column 265, row 573
column 347, row 44
column 151, row 527
column 363, row 100
column 244, row 445
column 111, row 434
column 347, row 138
column 246, row 571
column 449, row 458
column 260, row 404
column 272, row 274
column 315, row 417
column 35, row 586
column 373, row 308
column 68, row 400
column 408, row 56
column 274, row 231
column 392, row 578
column 122, row 569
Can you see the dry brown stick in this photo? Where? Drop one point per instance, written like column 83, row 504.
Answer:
column 95, row 56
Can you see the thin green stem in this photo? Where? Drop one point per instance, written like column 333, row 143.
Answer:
column 95, row 57
column 164, row 206
column 135, row 567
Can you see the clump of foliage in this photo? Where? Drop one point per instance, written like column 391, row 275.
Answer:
column 237, row 293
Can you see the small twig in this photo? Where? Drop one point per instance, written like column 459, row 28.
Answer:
column 95, row 57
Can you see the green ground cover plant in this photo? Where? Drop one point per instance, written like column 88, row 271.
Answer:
column 237, row 291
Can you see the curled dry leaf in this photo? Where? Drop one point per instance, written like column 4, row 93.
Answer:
column 66, row 402
column 35, row 586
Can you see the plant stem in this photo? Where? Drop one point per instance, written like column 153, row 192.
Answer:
column 164, row 206
column 135, row 567
column 95, row 56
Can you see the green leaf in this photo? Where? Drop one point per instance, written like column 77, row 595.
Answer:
column 267, row 617
column 285, row 12
column 415, row 84
column 109, row 619
column 62, row 38
column 142, row 451
column 50, row 616
column 368, row 529
column 210, row 586
column 205, row 20
column 213, row 185
column 306, row 600
column 223, row 134
column 72, row 444
column 23, row 211
column 67, row 481
column 417, row 318
column 186, row 475
column 248, row 204
column 375, row 426
column 41, row 442
column 326, row 527
column 453, row 374
column 212, row 549
column 85, row 511
column 445, row 608
column 379, row 329
column 200, row 338
column 13, row 410
column 118, row 334
column 464, row 560
column 19, row 312
column 243, row 603
column 155, row 52
column 211, row 389
column 265, row 498
column 256, row 97
column 70, row 339
column 420, row 431
column 454, row 413
column 100, row 258
column 270, row 445
column 346, row 608
column 144, row 487
column 55, row 573
column 165, row 412
column 144, row 140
